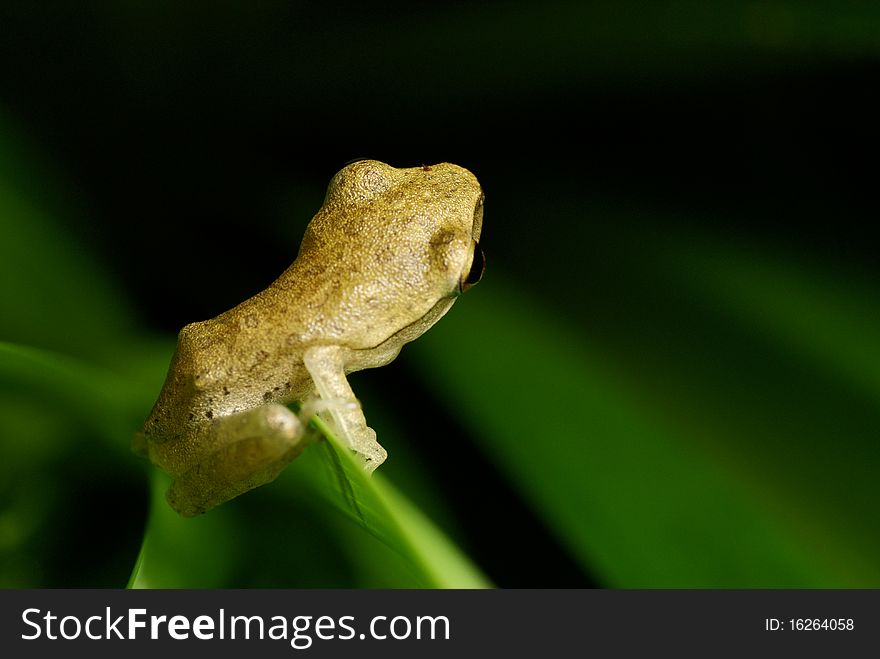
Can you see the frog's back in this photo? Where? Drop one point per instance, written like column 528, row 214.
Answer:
column 376, row 257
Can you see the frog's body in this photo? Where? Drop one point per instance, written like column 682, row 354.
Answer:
column 382, row 260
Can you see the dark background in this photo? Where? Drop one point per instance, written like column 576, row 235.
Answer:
column 186, row 127
column 196, row 140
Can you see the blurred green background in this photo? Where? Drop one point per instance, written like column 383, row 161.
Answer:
column 669, row 376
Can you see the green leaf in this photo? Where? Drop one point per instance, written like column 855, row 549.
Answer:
column 644, row 489
column 327, row 471
column 182, row 552
column 109, row 404
column 65, row 469
column 824, row 317
column 375, row 504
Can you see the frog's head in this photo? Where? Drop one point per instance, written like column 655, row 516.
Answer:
column 432, row 212
column 406, row 241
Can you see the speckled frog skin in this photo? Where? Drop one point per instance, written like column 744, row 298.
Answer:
column 383, row 259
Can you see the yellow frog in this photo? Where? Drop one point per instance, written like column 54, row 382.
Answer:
column 384, row 258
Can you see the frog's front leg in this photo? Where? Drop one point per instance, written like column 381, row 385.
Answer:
column 326, row 367
column 246, row 450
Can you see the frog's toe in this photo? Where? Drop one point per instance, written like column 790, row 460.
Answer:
column 281, row 422
column 371, row 452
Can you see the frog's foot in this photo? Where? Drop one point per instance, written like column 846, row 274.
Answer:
column 252, row 448
column 337, row 403
column 371, row 452
column 361, row 439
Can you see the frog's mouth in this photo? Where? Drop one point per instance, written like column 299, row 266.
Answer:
column 384, row 352
column 418, row 327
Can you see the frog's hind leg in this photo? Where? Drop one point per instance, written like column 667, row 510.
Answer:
column 325, row 366
column 253, row 447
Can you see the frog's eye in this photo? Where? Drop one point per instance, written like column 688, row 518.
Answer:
column 475, row 272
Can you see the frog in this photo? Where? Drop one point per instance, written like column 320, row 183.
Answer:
column 383, row 259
